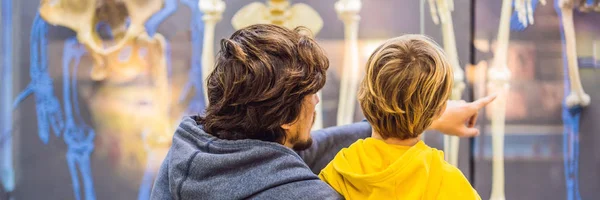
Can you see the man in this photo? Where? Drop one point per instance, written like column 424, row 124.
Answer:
column 262, row 101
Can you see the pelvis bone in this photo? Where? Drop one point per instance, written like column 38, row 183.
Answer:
column 82, row 16
column 278, row 12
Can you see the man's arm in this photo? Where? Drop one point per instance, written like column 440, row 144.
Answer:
column 458, row 119
column 328, row 142
column 161, row 189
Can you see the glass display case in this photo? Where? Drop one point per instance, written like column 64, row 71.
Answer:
column 109, row 130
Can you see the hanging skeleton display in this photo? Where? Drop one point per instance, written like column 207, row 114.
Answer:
column 575, row 96
column 499, row 80
column 441, row 12
column 78, row 137
column 282, row 13
column 133, row 53
column 347, row 11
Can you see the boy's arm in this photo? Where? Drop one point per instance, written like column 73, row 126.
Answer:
column 328, row 142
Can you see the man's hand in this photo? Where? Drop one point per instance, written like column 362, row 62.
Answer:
column 460, row 117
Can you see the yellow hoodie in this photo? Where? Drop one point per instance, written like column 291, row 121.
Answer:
column 373, row 169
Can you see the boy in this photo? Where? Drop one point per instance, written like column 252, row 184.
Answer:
column 407, row 85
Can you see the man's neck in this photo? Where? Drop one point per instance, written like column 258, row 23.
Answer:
column 395, row 141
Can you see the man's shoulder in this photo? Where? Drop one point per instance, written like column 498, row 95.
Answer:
column 307, row 190
column 241, row 170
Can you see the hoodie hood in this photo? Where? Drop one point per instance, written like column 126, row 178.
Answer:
column 408, row 172
column 201, row 166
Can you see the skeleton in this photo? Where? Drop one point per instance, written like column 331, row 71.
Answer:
column 133, row 53
column 78, row 136
column 198, row 101
column 524, row 8
column 213, row 10
column 524, row 11
column 444, row 9
column 499, row 78
column 80, row 16
column 128, row 58
column 576, row 98
column 278, row 12
column 282, row 13
column 348, row 12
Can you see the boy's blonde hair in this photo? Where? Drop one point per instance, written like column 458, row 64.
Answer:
column 407, row 84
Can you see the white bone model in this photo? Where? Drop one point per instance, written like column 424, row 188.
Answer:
column 443, row 9
column 499, row 81
column 577, row 95
column 348, row 12
column 213, row 12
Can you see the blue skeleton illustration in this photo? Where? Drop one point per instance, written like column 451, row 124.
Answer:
column 571, row 117
column 48, row 110
column 7, row 174
column 78, row 136
column 197, row 103
column 170, row 6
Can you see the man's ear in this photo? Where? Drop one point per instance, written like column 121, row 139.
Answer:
column 287, row 126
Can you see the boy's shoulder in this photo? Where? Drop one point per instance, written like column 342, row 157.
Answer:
column 455, row 184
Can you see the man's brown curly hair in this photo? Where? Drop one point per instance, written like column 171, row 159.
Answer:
column 262, row 74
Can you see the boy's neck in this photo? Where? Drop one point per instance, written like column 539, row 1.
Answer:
column 395, row 141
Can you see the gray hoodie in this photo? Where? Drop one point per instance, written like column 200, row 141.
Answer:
column 201, row 166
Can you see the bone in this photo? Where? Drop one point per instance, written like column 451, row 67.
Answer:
column 280, row 13
column 499, row 79
column 139, row 12
column 80, row 17
column 433, row 10
column 451, row 143
column 348, row 12
column 521, row 11
column 577, row 97
column 213, row 12
column 529, row 11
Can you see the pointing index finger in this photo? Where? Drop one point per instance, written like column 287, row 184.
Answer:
column 480, row 103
